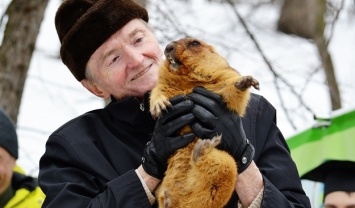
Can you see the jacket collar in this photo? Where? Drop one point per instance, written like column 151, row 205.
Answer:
column 131, row 113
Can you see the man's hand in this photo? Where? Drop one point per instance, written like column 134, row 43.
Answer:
column 166, row 139
column 213, row 118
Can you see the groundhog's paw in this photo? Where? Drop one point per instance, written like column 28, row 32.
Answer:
column 245, row 82
column 202, row 144
column 216, row 141
column 157, row 106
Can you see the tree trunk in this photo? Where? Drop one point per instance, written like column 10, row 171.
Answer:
column 324, row 55
column 297, row 18
column 305, row 18
column 22, row 28
column 331, row 81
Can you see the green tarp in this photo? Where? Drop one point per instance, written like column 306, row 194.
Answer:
column 313, row 146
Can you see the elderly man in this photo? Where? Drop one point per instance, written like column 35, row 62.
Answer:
column 95, row 160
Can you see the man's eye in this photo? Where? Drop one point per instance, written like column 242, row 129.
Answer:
column 139, row 40
column 115, row 59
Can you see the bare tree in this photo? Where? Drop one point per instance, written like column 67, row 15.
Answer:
column 23, row 20
column 306, row 18
column 23, row 23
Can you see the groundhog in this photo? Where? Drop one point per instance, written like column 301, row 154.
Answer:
column 199, row 175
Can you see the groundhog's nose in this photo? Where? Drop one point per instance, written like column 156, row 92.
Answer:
column 169, row 48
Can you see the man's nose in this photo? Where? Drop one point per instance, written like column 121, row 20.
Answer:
column 134, row 57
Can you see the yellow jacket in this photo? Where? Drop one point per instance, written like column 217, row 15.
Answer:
column 27, row 192
column 26, row 199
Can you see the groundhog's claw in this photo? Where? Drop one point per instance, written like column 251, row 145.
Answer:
column 247, row 81
column 203, row 144
column 158, row 106
column 167, row 201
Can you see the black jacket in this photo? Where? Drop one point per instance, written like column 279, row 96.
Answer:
column 90, row 161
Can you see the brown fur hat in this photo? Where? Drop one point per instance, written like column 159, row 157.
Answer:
column 84, row 25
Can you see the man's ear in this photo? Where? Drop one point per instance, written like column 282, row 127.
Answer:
column 94, row 89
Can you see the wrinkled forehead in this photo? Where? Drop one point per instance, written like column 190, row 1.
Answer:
column 125, row 36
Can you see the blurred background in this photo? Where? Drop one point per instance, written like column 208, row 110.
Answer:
column 301, row 51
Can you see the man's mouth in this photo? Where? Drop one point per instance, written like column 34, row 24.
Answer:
column 141, row 73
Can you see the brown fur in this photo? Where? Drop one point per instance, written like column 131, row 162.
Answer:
column 199, row 175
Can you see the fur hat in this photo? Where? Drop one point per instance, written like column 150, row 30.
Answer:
column 84, row 25
column 8, row 135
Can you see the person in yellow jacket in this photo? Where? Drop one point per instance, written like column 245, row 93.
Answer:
column 17, row 190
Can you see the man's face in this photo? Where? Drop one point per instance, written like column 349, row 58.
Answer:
column 340, row 199
column 126, row 64
column 7, row 164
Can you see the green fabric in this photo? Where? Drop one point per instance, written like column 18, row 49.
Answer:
column 314, row 146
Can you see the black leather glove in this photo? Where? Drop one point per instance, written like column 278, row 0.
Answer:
column 213, row 118
column 166, row 139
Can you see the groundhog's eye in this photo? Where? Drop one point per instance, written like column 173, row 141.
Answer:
column 194, row 43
